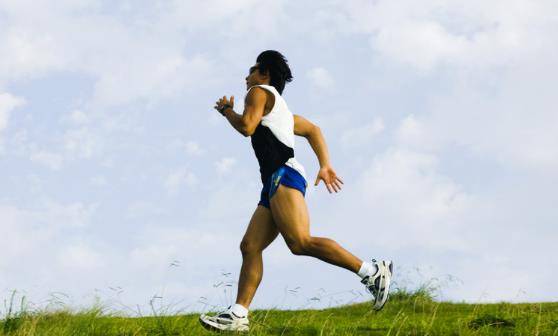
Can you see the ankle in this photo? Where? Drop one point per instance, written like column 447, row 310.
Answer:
column 367, row 269
column 239, row 310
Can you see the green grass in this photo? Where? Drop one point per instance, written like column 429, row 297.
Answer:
column 407, row 313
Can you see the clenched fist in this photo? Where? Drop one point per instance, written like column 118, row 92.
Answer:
column 222, row 102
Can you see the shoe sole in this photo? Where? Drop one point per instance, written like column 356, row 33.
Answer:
column 385, row 282
column 212, row 326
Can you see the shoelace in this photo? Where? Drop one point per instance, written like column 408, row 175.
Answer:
column 374, row 287
column 228, row 313
column 224, row 311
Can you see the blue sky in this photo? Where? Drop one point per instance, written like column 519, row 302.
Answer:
column 440, row 117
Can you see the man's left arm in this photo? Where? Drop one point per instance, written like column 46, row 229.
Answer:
column 313, row 134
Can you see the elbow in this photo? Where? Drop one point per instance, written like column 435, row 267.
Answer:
column 247, row 131
column 315, row 130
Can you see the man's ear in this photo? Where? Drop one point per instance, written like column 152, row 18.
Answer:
column 266, row 75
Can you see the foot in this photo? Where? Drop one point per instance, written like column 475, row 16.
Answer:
column 225, row 321
column 378, row 284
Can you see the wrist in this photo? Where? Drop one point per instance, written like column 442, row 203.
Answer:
column 224, row 109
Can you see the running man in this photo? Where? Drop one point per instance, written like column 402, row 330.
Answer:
column 282, row 207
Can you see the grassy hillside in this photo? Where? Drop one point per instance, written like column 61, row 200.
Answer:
column 406, row 314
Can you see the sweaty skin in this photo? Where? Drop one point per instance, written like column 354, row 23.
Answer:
column 288, row 214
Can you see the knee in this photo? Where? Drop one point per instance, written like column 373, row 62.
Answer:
column 300, row 247
column 247, row 247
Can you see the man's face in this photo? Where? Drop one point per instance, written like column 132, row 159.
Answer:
column 255, row 77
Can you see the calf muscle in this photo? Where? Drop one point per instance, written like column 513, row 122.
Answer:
column 290, row 215
column 260, row 233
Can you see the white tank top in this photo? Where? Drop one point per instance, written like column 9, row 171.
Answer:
column 280, row 121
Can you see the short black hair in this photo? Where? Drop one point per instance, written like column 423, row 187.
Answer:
column 279, row 71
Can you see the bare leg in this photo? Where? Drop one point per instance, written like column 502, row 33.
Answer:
column 260, row 233
column 289, row 211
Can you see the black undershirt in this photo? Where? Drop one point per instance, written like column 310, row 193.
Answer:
column 270, row 152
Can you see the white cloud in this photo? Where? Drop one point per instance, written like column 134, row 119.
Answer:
column 98, row 181
column 53, row 161
column 143, row 209
column 78, row 117
column 8, row 102
column 76, row 214
column 410, row 131
column 28, row 232
column 52, row 253
column 81, row 142
column 405, row 192
column 178, row 178
column 321, row 78
column 497, row 65
column 432, row 33
column 14, row 236
column 207, row 15
column 190, row 147
column 151, row 82
column 224, row 165
column 244, row 189
column 363, row 134
column 516, row 125
column 193, row 148
column 80, row 256
column 128, row 60
column 159, row 246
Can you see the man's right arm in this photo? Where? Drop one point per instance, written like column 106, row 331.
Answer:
column 254, row 105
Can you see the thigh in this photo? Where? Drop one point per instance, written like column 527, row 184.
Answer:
column 261, row 230
column 289, row 211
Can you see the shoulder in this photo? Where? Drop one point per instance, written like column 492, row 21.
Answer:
column 256, row 91
column 302, row 126
column 256, row 94
column 268, row 89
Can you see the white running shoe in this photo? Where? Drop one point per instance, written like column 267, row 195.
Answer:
column 225, row 321
column 378, row 284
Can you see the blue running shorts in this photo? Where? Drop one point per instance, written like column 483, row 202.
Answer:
column 285, row 175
